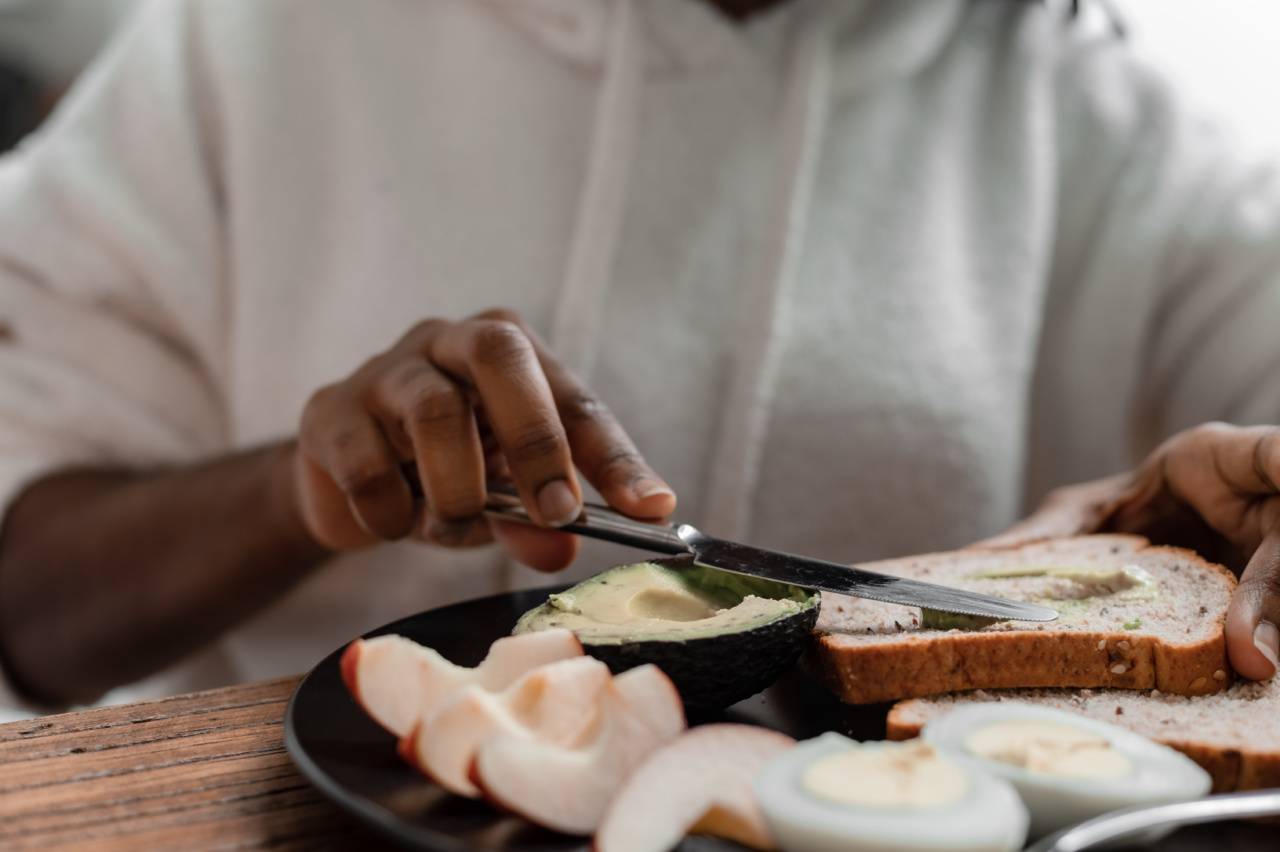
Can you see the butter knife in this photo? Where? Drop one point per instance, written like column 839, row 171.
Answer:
column 682, row 539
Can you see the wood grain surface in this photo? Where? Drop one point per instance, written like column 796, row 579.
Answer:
column 209, row 771
column 201, row 771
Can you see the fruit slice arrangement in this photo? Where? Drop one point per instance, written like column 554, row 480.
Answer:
column 397, row 681
column 545, row 732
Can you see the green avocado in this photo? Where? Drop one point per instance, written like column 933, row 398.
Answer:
column 720, row 637
column 936, row 619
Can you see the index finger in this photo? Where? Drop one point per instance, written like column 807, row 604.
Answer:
column 601, row 448
column 1246, row 458
column 496, row 357
column 1221, row 471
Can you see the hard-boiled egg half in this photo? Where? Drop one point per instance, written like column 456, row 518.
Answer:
column 833, row 794
column 1065, row 767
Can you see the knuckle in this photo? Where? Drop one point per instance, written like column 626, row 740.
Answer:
column 534, row 443
column 1263, row 461
column 619, row 463
column 344, row 440
column 582, row 406
column 435, row 408
column 366, row 373
column 422, row 329
column 499, row 343
column 311, row 423
column 1261, row 584
column 503, row 314
column 364, row 478
column 1211, row 433
column 1267, row 442
column 323, row 403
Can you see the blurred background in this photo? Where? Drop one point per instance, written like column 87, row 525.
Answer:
column 44, row 44
column 1222, row 55
column 1219, row 52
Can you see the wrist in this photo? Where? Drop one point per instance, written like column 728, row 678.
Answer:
column 287, row 499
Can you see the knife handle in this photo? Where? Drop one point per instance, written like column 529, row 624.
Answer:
column 594, row 522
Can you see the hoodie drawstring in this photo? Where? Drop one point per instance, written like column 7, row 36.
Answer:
column 805, row 112
column 602, row 202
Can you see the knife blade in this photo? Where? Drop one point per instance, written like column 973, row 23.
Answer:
column 684, row 539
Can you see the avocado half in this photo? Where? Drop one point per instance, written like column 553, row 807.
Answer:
column 720, row 637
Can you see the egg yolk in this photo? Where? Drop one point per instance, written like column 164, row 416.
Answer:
column 908, row 776
column 1048, row 748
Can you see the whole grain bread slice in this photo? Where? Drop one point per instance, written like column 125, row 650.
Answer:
column 1166, row 633
column 1232, row 734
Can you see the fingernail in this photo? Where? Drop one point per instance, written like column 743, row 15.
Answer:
column 644, row 487
column 557, row 505
column 1267, row 638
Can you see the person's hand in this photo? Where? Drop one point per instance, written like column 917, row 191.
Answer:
column 1213, row 488
column 460, row 402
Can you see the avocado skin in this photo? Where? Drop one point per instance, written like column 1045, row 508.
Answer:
column 713, row 672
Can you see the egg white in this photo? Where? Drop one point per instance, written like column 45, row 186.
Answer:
column 989, row 818
column 1159, row 774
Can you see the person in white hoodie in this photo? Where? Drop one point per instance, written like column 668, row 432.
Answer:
column 859, row 278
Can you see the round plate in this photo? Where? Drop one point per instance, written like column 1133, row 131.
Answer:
column 352, row 760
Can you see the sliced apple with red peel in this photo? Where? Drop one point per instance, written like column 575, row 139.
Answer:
column 558, row 703
column 698, row 783
column 568, row 789
column 396, row 680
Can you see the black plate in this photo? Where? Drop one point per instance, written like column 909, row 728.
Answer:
column 353, row 761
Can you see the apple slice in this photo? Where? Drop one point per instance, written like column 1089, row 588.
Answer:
column 558, row 703
column 396, row 680
column 698, row 783
column 568, row 789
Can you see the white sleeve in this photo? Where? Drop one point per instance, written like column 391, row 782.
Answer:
column 112, row 304
column 112, row 309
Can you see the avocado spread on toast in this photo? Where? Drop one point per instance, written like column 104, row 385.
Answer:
column 1071, row 590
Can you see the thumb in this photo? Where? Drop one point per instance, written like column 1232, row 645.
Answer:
column 1253, row 639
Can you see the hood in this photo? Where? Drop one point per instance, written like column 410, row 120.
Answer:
column 829, row 50
column 879, row 39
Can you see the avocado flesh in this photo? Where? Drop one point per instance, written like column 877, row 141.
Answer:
column 936, row 619
column 720, row 637
column 650, row 601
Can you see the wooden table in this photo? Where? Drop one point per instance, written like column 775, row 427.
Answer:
column 193, row 772
column 209, row 771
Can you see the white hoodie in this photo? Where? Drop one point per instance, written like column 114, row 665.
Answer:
column 861, row 278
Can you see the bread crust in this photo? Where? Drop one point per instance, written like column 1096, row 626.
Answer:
column 863, row 669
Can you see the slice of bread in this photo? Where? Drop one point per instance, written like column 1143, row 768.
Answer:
column 1232, row 734
column 1117, row 626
